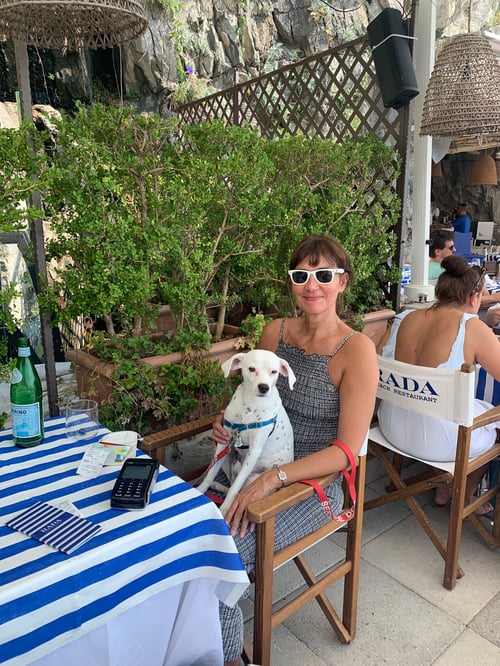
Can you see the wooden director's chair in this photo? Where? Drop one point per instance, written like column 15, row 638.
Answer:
column 450, row 396
column 263, row 514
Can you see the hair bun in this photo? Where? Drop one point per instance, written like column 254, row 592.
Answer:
column 455, row 265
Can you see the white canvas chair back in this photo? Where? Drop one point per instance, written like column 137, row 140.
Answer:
column 443, row 393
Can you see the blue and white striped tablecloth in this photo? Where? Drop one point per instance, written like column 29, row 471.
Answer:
column 48, row 598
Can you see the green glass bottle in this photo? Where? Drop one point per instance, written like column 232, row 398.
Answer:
column 26, row 399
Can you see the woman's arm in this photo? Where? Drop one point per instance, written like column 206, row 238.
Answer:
column 483, row 346
column 492, row 317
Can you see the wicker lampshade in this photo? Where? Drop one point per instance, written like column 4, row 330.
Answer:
column 436, row 169
column 463, row 94
column 72, row 24
column 483, row 171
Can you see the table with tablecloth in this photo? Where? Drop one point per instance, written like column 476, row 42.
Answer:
column 151, row 566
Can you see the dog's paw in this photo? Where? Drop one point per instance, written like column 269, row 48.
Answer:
column 224, row 507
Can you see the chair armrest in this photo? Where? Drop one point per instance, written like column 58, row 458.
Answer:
column 270, row 506
column 158, row 440
column 486, row 418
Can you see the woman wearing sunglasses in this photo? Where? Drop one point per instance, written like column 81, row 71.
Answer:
column 333, row 399
column 445, row 335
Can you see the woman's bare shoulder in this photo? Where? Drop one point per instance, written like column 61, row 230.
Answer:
column 270, row 335
column 359, row 346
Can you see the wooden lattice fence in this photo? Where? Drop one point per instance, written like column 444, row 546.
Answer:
column 334, row 94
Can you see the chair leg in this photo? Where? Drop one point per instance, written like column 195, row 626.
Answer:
column 353, row 554
column 455, row 524
column 416, row 509
column 263, row 604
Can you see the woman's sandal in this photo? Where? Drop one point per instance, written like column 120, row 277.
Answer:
column 484, row 509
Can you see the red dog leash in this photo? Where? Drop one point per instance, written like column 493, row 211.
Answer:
column 350, row 477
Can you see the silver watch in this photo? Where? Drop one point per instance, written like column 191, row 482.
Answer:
column 282, row 477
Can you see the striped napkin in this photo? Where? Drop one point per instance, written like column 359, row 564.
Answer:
column 54, row 527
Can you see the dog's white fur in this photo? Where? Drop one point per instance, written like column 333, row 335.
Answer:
column 256, row 400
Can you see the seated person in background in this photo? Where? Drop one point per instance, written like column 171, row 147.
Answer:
column 445, row 335
column 493, row 315
column 442, row 244
column 489, row 299
column 462, row 221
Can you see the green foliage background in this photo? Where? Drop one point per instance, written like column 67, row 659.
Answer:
column 143, row 213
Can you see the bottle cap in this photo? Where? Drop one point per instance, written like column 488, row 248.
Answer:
column 23, row 342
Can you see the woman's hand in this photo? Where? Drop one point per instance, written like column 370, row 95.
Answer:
column 219, row 434
column 237, row 518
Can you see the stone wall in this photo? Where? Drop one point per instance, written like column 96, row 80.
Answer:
column 197, row 50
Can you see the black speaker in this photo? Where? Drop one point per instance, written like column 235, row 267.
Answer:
column 392, row 57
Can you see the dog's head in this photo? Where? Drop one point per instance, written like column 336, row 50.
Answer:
column 259, row 369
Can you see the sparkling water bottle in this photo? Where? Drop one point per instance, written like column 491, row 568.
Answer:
column 26, row 400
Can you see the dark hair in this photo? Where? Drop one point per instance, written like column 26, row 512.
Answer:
column 316, row 247
column 458, row 281
column 439, row 238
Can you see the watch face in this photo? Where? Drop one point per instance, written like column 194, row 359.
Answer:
column 282, row 475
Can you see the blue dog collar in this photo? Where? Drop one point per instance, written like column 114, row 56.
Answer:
column 249, row 426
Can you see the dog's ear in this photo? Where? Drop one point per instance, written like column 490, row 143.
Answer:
column 233, row 363
column 287, row 371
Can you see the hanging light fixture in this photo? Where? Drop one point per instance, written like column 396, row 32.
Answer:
column 483, row 171
column 463, row 94
column 72, row 24
column 436, row 169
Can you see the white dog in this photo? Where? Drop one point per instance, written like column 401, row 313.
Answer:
column 262, row 435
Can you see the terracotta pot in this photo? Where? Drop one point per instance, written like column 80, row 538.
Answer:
column 376, row 324
column 92, row 375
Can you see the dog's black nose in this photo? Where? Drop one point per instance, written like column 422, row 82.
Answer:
column 263, row 388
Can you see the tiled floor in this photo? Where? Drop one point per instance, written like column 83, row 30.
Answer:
column 405, row 615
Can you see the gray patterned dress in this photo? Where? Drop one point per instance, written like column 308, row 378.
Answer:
column 313, row 409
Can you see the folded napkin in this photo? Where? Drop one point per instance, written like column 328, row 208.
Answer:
column 54, row 527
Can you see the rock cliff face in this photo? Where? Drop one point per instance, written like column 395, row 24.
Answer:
column 195, row 47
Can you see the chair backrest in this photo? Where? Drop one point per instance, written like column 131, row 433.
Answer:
column 463, row 242
column 487, row 388
column 443, row 393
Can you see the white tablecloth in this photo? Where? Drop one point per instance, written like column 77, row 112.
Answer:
column 176, row 627
column 49, row 599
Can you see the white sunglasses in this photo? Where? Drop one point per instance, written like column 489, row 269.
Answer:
column 321, row 275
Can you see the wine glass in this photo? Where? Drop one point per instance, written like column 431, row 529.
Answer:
column 82, row 419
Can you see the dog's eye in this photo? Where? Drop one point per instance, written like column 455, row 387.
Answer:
column 274, row 372
column 251, row 369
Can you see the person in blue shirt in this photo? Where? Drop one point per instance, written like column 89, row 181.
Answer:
column 462, row 221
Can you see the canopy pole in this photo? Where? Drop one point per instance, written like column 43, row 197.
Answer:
column 425, row 31
column 36, row 232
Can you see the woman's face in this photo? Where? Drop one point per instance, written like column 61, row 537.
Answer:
column 314, row 297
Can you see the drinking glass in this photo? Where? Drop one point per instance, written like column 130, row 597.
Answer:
column 82, row 419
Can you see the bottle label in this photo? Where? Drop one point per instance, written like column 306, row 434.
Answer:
column 15, row 376
column 23, row 351
column 26, row 420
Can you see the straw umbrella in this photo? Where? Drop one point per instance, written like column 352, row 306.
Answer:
column 70, row 25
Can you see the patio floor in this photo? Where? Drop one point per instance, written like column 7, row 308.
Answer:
column 405, row 615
